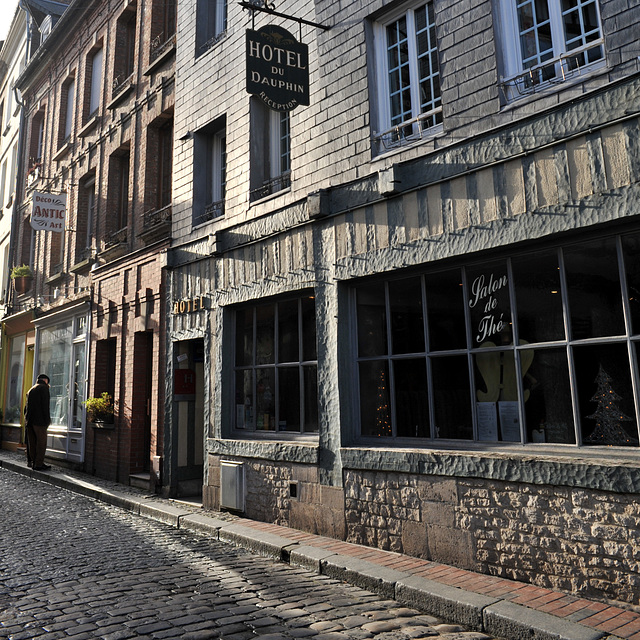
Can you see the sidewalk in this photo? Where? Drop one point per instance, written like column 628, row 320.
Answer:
column 496, row 606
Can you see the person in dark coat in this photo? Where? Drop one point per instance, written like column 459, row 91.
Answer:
column 38, row 417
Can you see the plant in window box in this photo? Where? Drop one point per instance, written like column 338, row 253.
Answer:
column 100, row 411
column 22, row 277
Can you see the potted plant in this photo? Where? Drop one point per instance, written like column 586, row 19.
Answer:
column 22, row 277
column 100, row 411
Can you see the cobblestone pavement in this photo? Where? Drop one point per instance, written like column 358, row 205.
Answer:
column 72, row 567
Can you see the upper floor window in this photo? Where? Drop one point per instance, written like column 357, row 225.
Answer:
column 270, row 150
column 548, row 41
column 159, row 168
column 210, row 171
column 86, row 218
column 163, row 25
column 68, row 106
column 125, row 51
column 118, row 194
column 95, row 81
column 211, row 23
column 36, row 142
column 409, row 76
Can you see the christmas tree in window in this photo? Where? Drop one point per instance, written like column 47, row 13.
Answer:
column 608, row 415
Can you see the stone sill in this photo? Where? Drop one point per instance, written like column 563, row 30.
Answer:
column 160, row 60
column 55, row 277
column 89, row 126
column 278, row 451
column 62, row 151
column 587, row 470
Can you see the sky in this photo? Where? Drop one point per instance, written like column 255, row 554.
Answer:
column 6, row 15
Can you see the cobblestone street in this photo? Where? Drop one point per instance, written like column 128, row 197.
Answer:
column 75, row 568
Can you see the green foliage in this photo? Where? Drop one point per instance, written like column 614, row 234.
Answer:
column 22, row 271
column 100, row 409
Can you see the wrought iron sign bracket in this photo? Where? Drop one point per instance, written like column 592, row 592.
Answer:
column 267, row 7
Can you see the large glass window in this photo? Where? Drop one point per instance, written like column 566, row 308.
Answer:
column 54, row 359
column 15, row 380
column 276, row 367
column 538, row 348
column 409, row 85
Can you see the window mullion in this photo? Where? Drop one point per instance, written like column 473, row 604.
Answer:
column 414, row 74
column 628, row 330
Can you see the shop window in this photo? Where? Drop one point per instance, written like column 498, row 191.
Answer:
column 276, row 367
column 15, row 380
column 54, row 358
column 548, row 41
column 535, row 349
column 211, row 23
column 593, row 283
column 270, row 150
column 406, row 62
column 210, row 171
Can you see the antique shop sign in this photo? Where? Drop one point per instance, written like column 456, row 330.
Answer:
column 48, row 211
column 277, row 68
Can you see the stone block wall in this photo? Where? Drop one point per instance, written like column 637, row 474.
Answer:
column 571, row 539
column 269, row 496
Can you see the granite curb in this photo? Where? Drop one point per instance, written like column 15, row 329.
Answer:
column 492, row 615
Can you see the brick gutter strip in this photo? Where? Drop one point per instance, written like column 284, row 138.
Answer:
column 494, row 616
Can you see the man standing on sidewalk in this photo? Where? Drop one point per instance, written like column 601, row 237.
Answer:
column 38, row 418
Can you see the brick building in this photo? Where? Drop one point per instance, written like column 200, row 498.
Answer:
column 405, row 314
column 98, row 94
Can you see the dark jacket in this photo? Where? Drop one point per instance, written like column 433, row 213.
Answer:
column 37, row 411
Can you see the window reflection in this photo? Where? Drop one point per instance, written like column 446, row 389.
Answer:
column 593, row 282
column 538, row 297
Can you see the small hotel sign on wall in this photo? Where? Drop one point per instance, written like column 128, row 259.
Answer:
column 277, row 68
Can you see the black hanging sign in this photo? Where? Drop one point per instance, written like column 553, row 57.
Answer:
column 277, row 68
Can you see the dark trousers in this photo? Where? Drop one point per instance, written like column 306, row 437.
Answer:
column 37, row 440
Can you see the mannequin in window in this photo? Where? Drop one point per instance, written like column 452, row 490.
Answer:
column 498, row 370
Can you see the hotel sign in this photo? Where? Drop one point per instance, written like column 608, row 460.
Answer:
column 48, row 211
column 277, row 68
column 189, row 305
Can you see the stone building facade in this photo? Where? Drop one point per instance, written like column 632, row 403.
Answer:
column 409, row 307
column 98, row 94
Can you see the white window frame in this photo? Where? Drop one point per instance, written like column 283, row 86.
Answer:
column 218, row 166
column 420, row 124
column 96, row 81
column 90, row 189
column 212, row 23
column 69, row 108
column 279, row 131
column 3, row 183
column 513, row 65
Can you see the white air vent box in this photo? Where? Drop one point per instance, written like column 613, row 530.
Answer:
column 232, row 485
